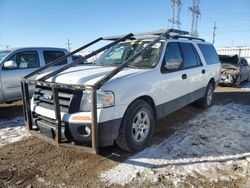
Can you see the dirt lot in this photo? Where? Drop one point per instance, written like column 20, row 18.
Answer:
column 32, row 162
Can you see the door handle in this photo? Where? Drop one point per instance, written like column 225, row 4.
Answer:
column 184, row 76
column 203, row 71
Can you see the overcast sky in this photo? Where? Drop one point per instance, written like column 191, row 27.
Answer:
column 51, row 22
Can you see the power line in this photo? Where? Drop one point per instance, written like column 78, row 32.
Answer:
column 176, row 9
column 195, row 9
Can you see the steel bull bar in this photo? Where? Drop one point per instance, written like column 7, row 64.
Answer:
column 55, row 87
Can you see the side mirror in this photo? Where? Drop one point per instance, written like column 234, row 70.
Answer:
column 10, row 64
column 173, row 64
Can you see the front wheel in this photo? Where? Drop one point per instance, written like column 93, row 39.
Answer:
column 238, row 81
column 137, row 127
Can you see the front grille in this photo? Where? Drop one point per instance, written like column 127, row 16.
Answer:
column 69, row 100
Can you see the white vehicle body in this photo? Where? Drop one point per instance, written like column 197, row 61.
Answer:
column 10, row 76
column 165, row 91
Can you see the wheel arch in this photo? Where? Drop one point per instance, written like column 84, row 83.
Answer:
column 149, row 100
column 212, row 81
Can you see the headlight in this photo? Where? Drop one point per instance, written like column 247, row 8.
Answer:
column 104, row 99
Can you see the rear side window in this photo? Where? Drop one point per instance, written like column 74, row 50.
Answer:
column 209, row 53
column 50, row 56
column 190, row 55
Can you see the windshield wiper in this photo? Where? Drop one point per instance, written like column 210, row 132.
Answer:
column 133, row 67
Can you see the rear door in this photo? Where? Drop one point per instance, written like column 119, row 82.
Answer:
column 27, row 62
column 195, row 72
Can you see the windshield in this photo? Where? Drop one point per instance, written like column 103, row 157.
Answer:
column 119, row 53
column 3, row 54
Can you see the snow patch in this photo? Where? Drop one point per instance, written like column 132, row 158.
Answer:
column 215, row 144
column 12, row 131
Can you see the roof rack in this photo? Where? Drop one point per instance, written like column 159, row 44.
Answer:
column 171, row 32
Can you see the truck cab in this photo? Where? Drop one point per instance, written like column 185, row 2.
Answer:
column 16, row 63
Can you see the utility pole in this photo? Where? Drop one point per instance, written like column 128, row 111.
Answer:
column 69, row 45
column 176, row 9
column 214, row 33
column 195, row 10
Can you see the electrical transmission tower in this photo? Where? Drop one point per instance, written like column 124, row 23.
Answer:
column 176, row 9
column 195, row 9
column 214, row 32
column 69, row 45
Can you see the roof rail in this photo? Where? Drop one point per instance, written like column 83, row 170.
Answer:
column 171, row 32
column 187, row 37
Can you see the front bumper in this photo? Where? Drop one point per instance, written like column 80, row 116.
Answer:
column 109, row 121
column 107, row 132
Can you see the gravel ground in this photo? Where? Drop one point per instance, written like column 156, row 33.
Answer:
column 32, row 162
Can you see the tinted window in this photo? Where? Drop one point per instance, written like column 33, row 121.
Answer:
column 50, row 56
column 209, row 53
column 24, row 60
column 190, row 55
column 173, row 59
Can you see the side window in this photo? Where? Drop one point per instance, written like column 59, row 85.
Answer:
column 244, row 62
column 190, row 55
column 24, row 60
column 50, row 56
column 173, row 60
column 209, row 53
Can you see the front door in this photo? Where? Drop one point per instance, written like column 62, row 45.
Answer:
column 27, row 62
column 173, row 87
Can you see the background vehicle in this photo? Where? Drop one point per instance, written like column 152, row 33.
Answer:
column 16, row 63
column 133, row 83
column 235, row 70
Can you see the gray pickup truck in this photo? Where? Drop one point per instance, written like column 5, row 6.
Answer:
column 16, row 63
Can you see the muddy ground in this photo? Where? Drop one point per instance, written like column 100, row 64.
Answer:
column 32, row 162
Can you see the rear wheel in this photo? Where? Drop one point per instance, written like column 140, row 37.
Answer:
column 207, row 100
column 137, row 127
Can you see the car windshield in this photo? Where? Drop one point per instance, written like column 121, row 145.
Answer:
column 119, row 53
column 3, row 54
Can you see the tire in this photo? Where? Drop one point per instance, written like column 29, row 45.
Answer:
column 207, row 100
column 238, row 81
column 137, row 127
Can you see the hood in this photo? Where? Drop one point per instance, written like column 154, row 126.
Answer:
column 229, row 62
column 89, row 75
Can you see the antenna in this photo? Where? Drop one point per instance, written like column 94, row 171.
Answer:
column 69, row 45
column 195, row 9
column 176, row 9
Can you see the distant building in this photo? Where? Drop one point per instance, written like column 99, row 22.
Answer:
column 241, row 51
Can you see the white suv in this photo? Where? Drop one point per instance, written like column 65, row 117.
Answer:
column 163, row 77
